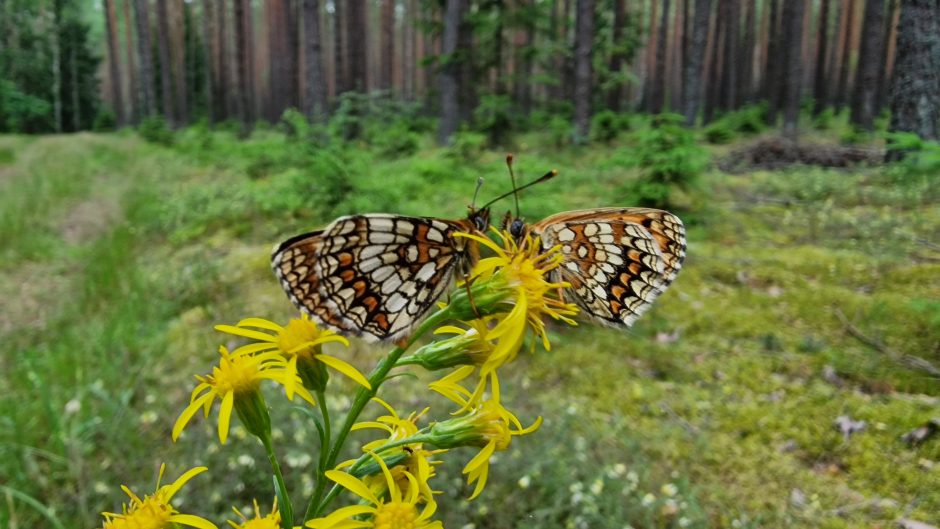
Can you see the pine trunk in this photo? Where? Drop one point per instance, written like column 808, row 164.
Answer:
column 387, row 51
column 243, row 64
column 848, row 24
column 166, row 67
column 114, row 63
column 792, row 85
column 224, row 91
column 867, row 76
column 729, row 80
column 584, row 39
column 314, row 80
column 696, row 59
column 822, row 40
column 915, row 92
column 356, row 44
column 450, row 111
column 615, row 94
column 133, row 87
column 658, row 94
column 211, row 60
column 148, row 101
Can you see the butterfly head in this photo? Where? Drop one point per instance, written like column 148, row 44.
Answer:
column 480, row 218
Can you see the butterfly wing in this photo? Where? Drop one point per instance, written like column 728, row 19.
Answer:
column 618, row 260
column 373, row 276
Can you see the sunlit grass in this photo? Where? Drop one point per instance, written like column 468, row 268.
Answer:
column 719, row 391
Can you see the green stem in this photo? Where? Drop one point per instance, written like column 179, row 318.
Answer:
column 321, row 402
column 362, row 398
column 284, row 505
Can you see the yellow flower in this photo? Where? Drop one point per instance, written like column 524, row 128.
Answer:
column 398, row 511
column 467, row 346
column 411, row 458
column 524, row 270
column 154, row 511
column 271, row 521
column 300, row 342
column 236, row 383
column 485, row 424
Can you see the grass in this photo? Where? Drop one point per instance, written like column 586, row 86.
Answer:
column 716, row 410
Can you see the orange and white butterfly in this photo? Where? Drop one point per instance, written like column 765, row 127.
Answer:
column 377, row 275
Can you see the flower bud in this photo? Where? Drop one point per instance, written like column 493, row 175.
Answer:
column 313, row 373
column 485, row 297
column 467, row 347
column 253, row 412
column 481, row 426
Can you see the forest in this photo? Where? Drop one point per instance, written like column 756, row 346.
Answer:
column 774, row 163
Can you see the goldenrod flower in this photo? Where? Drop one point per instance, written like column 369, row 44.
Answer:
column 412, row 458
column 486, row 424
column 300, row 342
column 398, row 511
column 154, row 511
column 271, row 521
column 523, row 270
column 236, row 383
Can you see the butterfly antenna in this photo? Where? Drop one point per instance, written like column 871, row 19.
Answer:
column 544, row 178
column 476, row 192
column 512, row 177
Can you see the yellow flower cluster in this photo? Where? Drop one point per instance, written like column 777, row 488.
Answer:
column 508, row 297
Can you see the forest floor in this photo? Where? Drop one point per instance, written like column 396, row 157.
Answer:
column 807, row 295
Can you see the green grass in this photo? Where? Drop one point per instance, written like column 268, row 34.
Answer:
column 118, row 256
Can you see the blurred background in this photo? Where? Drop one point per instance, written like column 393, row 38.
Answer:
column 152, row 152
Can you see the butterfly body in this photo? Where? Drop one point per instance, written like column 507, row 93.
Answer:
column 377, row 275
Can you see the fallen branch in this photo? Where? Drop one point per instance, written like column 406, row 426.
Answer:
column 909, row 360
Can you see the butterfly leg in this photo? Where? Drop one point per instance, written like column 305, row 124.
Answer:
column 467, row 281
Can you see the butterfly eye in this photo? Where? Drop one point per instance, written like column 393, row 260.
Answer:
column 481, row 219
column 517, row 228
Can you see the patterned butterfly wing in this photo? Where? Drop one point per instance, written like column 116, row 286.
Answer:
column 618, row 260
column 373, row 276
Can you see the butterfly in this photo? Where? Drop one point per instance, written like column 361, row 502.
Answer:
column 377, row 275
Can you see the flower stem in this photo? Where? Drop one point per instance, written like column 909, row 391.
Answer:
column 362, row 398
column 284, row 505
column 321, row 402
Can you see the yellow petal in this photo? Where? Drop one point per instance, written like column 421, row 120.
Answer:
column 188, row 413
column 180, row 481
column 353, row 484
column 192, row 521
column 254, row 348
column 247, row 333
column 480, row 459
column 260, row 323
column 225, row 415
column 345, row 368
column 481, row 481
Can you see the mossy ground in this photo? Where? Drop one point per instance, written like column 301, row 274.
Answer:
column 119, row 256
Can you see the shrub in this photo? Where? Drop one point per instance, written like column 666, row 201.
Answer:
column 104, row 121
column 719, row 133
column 823, row 120
column 493, row 118
column 559, row 131
column 397, row 141
column 154, row 130
column 605, row 125
column 920, row 157
column 669, row 158
column 467, row 145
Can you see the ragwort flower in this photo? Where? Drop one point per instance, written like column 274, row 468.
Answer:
column 154, row 511
column 300, row 342
column 271, row 521
column 399, row 510
column 486, row 424
column 236, row 382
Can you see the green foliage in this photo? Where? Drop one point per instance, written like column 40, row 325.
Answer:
column 921, row 157
column 493, row 118
column 824, row 120
column 155, row 130
column 397, row 141
column 105, row 121
column 20, row 112
column 605, row 125
column 669, row 158
column 718, row 132
column 7, row 156
column 745, row 121
column 467, row 146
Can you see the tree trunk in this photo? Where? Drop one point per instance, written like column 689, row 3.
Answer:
column 114, row 63
column 339, row 48
column 314, row 81
column 178, row 59
column 729, row 80
column 915, row 92
column 651, row 41
column 615, row 94
column 584, row 40
column 693, row 65
column 211, row 61
column 869, row 61
column 467, row 77
column 292, row 54
column 166, row 68
column 845, row 63
column 146, row 63
column 223, row 92
column 387, row 51
column 713, row 77
column 775, row 63
column 133, row 88
column 246, row 98
column 409, row 51
column 356, row 44
column 745, row 91
column 523, row 81
column 884, row 71
column 658, row 94
column 450, row 111
column 832, row 61
column 792, row 86
column 822, row 40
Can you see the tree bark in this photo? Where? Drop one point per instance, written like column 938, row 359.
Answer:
column 314, row 81
column 651, row 41
column 224, row 92
column 356, row 44
column 246, row 98
column 822, row 40
column 713, row 73
column 775, row 63
column 792, row 87
column 658, row 93
column 693, row 65
column 869, row 61
column 729, row 78
column 615, row 94
column 450, row 111
column 133, row 87
column 846, row 59
column 114, row 63
column 584, row 40
column 178, row 59
column 339, row 48
column 915, row 92
column 146, row 60
column 211, row 60
column 745, row 91
column 387, row 51
column 884, row 71
column 409, row 51
column 166, row 68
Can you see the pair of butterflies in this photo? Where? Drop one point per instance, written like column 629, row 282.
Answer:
column 376, row 276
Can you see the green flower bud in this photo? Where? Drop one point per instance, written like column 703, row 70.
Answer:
column 253, row 412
